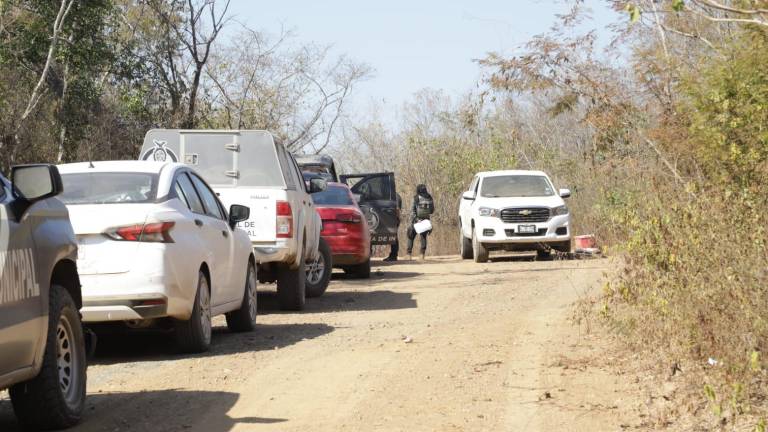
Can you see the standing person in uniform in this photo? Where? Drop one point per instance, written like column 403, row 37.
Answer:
column 422, row 208
column 395, row 248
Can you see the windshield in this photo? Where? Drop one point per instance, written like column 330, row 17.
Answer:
column 108, row 188
column 334, row 195
column 516, row 186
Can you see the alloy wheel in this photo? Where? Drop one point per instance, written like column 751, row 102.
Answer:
column 316, row 269
column 68, row 361
column 205, row 309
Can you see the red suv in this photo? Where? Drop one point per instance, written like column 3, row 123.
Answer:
column 345, row 230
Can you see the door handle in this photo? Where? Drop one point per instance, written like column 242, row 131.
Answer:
column 198, row 222
column 225, row 234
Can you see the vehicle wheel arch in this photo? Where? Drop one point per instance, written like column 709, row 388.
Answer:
column 65, row 274
column 207, row 273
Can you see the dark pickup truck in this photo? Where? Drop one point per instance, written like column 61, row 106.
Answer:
column 42, row 341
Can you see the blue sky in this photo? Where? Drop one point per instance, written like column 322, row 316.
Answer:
column 413, row 44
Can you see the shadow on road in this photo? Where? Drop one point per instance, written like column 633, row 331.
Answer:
column 159, row 345
column 152, row 411
column 513, row 258
column 362, row 301
column 375, row 275
column 340, row 301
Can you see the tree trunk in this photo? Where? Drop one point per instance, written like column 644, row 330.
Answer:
column 189, row 122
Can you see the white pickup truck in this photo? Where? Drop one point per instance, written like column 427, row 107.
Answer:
column 250, row 168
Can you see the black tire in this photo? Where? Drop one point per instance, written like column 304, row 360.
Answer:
column 479, row 252
column 562, row 246
column 244, row 319
column 194, row 334
column 360, row 271
column 319, row 271
column 55, row 399
column 291, row 288
column 544, row 255
column 465, row 246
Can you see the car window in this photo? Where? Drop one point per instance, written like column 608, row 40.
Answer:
column 334, row 195
column 297, row 174
column 108, row 188
column 212, row 208
column 181, row 195
column 374, row 188
column 190, row 194
column 516, row 186
column 285, row 165
column 473, row 185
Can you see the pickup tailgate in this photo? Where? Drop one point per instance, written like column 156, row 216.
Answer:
column 261, row 224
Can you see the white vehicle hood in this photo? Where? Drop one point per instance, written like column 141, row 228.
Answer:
column 502, row 203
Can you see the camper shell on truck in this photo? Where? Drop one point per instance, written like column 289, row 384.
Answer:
column 250, row 168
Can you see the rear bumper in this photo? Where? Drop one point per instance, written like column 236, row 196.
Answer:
column 123, row 310
column 140, row 294
column 348, row 250
column 349, row 259
column 280, row 251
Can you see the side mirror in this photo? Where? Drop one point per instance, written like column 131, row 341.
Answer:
column 36, row 182
column 468, row 195
column 32, row 183
column 317, row 185
column 238, row 213
column 565, row 193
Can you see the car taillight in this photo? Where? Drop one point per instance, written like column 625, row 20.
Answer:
column 349, row 217
column 284, row 225
column 157, row 232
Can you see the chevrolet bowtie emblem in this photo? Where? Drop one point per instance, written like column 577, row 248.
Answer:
column 525, row 212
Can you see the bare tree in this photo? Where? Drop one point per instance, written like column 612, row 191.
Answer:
column 195, row 25
column 297, row 91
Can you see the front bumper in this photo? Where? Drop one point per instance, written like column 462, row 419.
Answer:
column 492, row 231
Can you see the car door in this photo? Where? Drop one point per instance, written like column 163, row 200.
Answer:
column 218, row 230
column 21, row 306
column 378, row 201
column 294, row 191
column 465, row 208
column 313, row 220
column 209, row 231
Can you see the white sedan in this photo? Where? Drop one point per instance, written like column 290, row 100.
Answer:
column 156, row 245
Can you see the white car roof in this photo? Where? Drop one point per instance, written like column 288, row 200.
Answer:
column 117, row 166
column 511, row 172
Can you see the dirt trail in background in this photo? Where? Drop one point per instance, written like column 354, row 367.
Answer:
column 437, row 346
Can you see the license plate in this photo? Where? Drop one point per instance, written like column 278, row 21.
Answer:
column 526, row 229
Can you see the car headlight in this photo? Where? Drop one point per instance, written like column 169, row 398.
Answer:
column 487, row 211
column 559, row 211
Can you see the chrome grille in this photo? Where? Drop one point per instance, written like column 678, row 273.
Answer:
column 525, row 215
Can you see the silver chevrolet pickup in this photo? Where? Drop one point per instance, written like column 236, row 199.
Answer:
column 42, row 342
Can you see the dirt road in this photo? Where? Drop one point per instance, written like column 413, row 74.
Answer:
column 446, row 345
